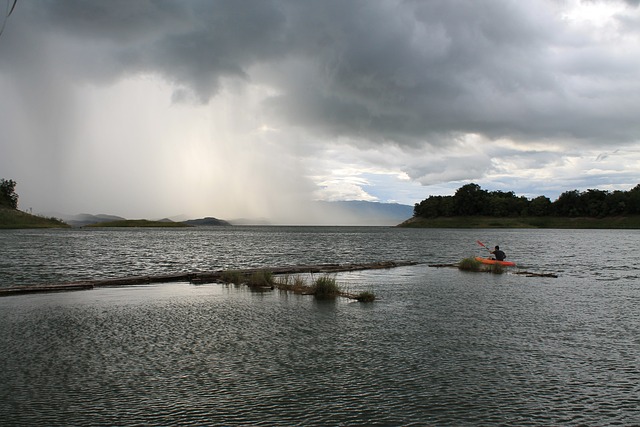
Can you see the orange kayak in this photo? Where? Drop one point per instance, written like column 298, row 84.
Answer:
column 494, row 261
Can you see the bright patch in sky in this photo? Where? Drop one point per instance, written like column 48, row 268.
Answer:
column 597, row 13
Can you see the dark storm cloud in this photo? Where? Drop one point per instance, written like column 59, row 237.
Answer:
column 412, row 71
column 407, row 72
column 191, row 44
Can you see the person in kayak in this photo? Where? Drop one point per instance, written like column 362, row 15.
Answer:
column 499, row 255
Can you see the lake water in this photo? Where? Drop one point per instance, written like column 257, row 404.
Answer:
column 438, row 347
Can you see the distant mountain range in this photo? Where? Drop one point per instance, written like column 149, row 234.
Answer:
column 333, row 213
column 81, row 220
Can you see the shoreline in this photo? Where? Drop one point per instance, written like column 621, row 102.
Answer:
column 549, row 222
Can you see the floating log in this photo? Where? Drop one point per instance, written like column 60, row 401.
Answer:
column 198, row 278
column 531, row 274
column 217, row 276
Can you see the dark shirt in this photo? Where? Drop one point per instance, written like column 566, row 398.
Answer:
column 500, row 256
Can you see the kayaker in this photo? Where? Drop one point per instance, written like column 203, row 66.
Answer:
column 500, row 255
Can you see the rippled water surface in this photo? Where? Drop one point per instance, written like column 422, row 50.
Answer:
column 438, row 347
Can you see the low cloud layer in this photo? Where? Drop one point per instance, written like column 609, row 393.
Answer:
column 249, row 108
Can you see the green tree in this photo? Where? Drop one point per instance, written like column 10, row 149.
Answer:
column 540, row 206
column 470, row 199
column 498, row 206
column 8, row 196
column 568, row 204
column 617, row 203
column 447, row 206
column 434, row 206
column 594, row 203
column 633, row 200
column 506, row 204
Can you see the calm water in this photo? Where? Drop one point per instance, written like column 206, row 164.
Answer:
column 439, row 346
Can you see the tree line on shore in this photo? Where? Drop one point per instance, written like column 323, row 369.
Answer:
column 8, row 196
column 472, row 200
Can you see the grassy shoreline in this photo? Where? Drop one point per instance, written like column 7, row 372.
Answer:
column 15, row 219
column 618, row 222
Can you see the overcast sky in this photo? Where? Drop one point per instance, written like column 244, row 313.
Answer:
column 148, row 109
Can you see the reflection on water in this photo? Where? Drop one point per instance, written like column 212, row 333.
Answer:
column 439, row 347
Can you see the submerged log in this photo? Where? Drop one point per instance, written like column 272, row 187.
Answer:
column 198, row 278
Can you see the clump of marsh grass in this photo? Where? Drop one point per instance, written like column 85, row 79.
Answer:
column 232, row 276
column 284, row 283
column 299, row 284
column 296, row 283
column 323, row 287
column 326, row 287
column 497, row 269
column 470, row 264
column 261, row 279
column 366, row 296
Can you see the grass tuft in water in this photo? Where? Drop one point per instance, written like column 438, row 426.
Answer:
column 497, row 269
column 296, row 284
column 366, row 296
column 322, row 287
column 326, row 287
column 232, row 276
column 470, row 264
column 261, row 279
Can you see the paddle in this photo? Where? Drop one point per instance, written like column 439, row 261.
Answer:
column 482, row 244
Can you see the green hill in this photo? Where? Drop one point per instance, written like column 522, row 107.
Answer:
column 13, row 218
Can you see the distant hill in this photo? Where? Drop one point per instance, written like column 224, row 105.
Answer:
column 207, row 221
column 138, row 223
column 83, row 220
column 13, row 218
column 80, row 220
